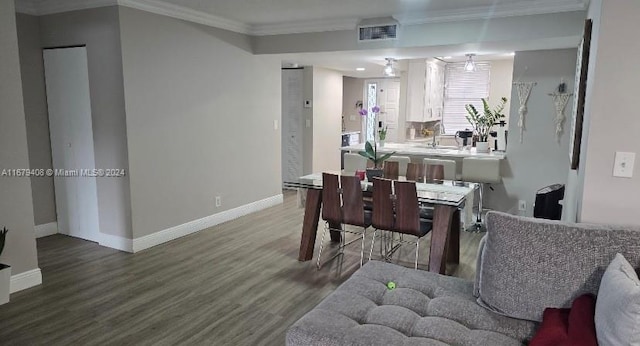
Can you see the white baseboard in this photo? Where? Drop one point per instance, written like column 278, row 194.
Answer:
column 46, row 229
column 25, row 280
column 116, row 242
column 184, row 229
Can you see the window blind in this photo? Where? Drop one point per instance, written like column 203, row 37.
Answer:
column 463, row 87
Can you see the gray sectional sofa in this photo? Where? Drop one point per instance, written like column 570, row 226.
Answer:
column 524, row 266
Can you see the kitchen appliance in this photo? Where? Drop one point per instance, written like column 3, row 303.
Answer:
column 465, row 135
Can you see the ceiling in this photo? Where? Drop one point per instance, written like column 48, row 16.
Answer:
column 258, row 12
column 270, row 17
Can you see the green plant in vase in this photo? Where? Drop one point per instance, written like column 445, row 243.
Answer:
column 371, row 148
column 483, row 122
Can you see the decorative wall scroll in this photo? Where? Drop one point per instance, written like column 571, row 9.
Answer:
column 524, row 91
column 560, row 100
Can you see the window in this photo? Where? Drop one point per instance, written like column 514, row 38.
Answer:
column 461, row 88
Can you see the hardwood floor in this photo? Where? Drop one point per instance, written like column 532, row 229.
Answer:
column 238, row 283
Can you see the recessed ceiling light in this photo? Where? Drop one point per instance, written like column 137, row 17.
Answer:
column 511, row 54
column 446, row 57
column 360, row 69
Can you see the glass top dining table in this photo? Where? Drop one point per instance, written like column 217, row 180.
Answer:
column 448, row 198
column 445, row 192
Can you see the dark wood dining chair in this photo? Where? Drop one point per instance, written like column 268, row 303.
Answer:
column 340, row 206
column 415, row 172
column 407, row 209
column 391, row 170
column 383, row 217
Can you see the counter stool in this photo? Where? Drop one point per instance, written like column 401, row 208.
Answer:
column 402, row 161
column 449, row 167
column 354, row 162
column 482, row 171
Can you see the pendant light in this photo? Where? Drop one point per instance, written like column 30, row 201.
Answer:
column 389, row 69
column 470, row 66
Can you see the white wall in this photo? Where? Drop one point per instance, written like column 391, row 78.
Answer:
column 612, row 109
column 200, row 111
column 539, row 160
column 327, row 119
column 16, row 205
column 501, row 83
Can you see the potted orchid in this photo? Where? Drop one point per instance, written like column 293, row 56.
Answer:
column 483, row 122
column 371, row 149
column 5, row 272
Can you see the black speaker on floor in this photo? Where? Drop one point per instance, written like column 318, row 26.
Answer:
column 547, row 205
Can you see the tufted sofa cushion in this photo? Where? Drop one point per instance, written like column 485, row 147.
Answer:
column 424, row 309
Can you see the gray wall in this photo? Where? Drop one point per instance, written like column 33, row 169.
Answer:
column 16, row 205
column 35, row 109
column 540, row 160
column 200, row 110
column 307, row 115
column 99, row 30
column 611, row 111
column 527, row 32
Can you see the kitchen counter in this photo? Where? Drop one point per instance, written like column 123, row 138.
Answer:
column 421, row 149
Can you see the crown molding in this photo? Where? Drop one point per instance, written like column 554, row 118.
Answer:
column 41, row 8
column 181, row 12
column 523, row 8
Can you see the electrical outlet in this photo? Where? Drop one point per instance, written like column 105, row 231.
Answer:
column 623, row 164
column 218, row 201
column 522, row 205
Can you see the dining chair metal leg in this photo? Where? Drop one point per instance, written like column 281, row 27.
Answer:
column 321, row 245
column 373, row 240
column 417, row 251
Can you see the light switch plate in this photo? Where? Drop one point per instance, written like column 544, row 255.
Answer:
column 308, row 123
column 352, row 117
column 623, row 164
column 275, row 124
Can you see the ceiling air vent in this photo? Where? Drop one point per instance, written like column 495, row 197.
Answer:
column 376, row 29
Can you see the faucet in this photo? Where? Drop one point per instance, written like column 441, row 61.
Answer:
column 437, row 125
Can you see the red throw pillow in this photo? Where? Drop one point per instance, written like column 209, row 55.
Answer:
column 568, row 327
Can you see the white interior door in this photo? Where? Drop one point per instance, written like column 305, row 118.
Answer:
column 292, row 108
column 70, row 127
column 387, row 96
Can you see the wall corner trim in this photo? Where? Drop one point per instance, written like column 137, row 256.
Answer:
column 116, row 242
column 197, row 225
column 25, row 280
column 46, row 229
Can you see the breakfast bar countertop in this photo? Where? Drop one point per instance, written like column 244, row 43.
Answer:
column 422, row 149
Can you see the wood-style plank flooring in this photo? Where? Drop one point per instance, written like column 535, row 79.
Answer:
column 238, row 283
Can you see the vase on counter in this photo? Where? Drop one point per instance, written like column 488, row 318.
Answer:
column 373, row 173
column 381, row 144
column 482, row 147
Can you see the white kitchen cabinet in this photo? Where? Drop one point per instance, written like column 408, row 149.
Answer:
column 416, row 79
column 435, row 90
column 425, row 90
